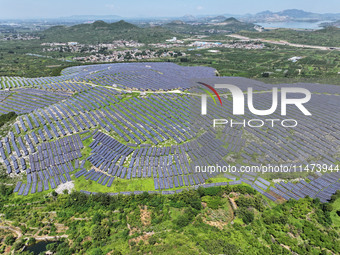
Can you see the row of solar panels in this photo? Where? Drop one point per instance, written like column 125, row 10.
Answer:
column 46, row 184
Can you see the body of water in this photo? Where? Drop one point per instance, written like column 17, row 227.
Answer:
column 39, row 247
column 293, row 25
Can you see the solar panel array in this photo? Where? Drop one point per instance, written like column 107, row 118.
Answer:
column 51, row 164
column 26, row 100
column 159, row 136
column 144, row 76
column 64, row 82
column 323, row 188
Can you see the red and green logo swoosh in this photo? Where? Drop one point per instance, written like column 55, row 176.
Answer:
column 209, row 93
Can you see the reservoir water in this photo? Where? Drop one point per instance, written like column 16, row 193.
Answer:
column 39, row 247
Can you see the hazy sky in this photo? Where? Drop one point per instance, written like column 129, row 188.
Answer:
column 145, row 8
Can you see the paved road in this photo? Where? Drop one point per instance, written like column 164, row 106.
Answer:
column 282, row 42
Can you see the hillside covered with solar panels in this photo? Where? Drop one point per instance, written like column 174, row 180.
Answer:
column 133, row 127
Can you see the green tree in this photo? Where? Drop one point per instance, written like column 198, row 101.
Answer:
column 9, row 240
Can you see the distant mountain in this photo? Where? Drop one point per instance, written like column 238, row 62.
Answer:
column 177, row 22
column 266, row 16
column 232, row 20
column 290, row 15
column 297, row 14
column 83, row 18
column 220, row 18
column 331, row 24
column 120, row 25
column 188, row 18
column 102, row 32
column 230, row 25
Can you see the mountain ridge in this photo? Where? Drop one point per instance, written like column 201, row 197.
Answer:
column 290, row 15
column 103, row 32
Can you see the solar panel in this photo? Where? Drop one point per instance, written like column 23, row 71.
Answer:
column 17, row 186
column 110, row 182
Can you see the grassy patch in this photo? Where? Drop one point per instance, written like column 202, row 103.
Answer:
column 118, row 185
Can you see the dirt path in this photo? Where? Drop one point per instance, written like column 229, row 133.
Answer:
column 18, row 233
column 7, row 184
column 43, row 238
column 233, row 203
column 13, row 229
